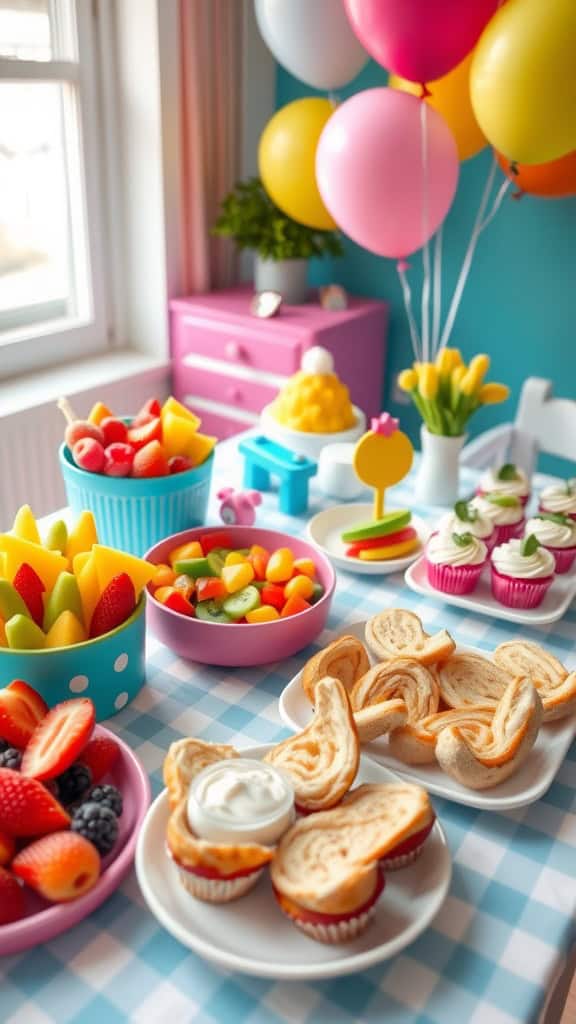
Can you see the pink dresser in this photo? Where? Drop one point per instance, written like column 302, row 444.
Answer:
column 228, row 364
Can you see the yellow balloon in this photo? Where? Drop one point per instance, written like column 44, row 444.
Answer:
column 450, row 96
column 287, row 159
column 523, row 82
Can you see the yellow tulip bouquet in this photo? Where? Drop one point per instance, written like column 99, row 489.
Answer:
column 447, row 392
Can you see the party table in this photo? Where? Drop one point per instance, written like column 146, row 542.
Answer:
column 495, row 951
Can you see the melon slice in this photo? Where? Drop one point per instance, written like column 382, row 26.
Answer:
column 82, row 536
column 47, row 564
column 171, row 405
column 110, row 563
column 65, row 631
column 25, row 525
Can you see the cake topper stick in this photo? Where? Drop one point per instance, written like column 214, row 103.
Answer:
column 382, row 457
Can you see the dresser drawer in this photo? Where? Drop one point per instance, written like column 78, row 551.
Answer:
column 277, row 351
column 218, row 419
column 242, row 391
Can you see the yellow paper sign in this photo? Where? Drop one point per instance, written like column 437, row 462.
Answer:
column 382, row 457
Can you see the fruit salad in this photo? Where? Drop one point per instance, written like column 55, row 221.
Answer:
column 214, row 581
column 66, row 588
column 158, row 441
column 58, row 814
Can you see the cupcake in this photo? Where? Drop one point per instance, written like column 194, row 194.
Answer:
column 522, row 571
column 466, row 518
column 508, row 480
column 557, row 534
column 454, row 562
column 559, row 498
column 505, row 511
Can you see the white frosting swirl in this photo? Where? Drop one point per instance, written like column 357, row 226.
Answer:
column 556, row 499
column 500, row 515
column 241, row 801
column 517, row 488
column 553, row 535
column 508, row 559
column 317, row 360
column 442, row 549
column 481, row 527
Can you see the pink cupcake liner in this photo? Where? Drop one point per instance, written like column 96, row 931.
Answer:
column 334, row 932
column 454, row 579
column 522, row 498
column 564, row 558
column 509, row 531
column 548, row 512
column 515, row 593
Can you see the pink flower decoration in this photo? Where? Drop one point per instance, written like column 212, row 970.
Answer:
column 384, row 424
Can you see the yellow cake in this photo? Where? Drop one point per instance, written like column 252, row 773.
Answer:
column 315, row 400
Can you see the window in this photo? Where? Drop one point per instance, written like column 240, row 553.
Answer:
column 52, row 295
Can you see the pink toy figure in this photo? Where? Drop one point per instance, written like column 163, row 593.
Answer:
column 238, row 507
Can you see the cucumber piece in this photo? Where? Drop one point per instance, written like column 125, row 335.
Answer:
column 194, row 567
column 211, row 611
column 317, row 593
column 216, row 562
column 389, row 523
column 245, row 600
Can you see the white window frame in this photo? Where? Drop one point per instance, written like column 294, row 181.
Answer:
column 48, row 342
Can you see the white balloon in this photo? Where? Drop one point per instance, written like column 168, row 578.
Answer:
column 312, row 39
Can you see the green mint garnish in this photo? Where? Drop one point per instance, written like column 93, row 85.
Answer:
column 504, row 500
column 462, row 511
column 529, row 546
column 462, row 539
column 554, row 517
column 508, row 472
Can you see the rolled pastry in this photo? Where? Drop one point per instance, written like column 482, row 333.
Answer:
column 416, row 744
column 185, row 759
column 556, row 687
column 379, row 719
column 344, row 659
column 224, row 858
column 403, row 679
column 470, row 679
column 397, row 633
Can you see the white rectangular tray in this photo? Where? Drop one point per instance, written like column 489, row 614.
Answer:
column 557, row 600
column 528, row 784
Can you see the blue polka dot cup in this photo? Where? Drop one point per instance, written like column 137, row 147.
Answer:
column 110, row 669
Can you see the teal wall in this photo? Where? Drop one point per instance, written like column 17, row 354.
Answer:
column 519, row 305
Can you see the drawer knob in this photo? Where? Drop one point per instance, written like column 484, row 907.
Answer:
column 234, row 394
column 234, row 350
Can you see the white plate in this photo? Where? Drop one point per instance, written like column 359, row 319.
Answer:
column 252, row 935
column 557, row 600
column 325, row 530
column 528, row 784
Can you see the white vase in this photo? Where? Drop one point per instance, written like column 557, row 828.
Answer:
column 288, row 277
column 438, row 472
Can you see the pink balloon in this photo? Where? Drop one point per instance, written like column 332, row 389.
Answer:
column 419, row 39
column 370, row 172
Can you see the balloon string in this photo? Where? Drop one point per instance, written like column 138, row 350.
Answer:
column 425, row 222
column 407, row 296
column 468, row 257
column 437, row 296
column 497, row 204
column 333, row 99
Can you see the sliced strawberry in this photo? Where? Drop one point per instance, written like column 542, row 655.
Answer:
column 151, row 410
column 30, row 587
column 12, row 902
column 60, row 867
column 7, row 848
column 140, row 436
column 115, row 604
column 27, row 808
column 100, row 754
column 216, row 539
column 21, row 708
column 59, row 739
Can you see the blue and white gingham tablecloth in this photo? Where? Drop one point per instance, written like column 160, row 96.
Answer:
column 493, row 954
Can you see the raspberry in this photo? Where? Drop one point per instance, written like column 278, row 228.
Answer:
column 106, row 796
column 73, row 783
column 98, row 824
column 11, row 758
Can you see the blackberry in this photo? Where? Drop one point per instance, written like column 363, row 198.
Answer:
column 98, row 824
column 11, row 758
column 3, row 745
column 106, row 796
column 74, row 782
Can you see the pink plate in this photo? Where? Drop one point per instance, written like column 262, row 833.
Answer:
column 44, row 921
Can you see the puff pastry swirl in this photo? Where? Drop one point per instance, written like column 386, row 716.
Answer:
column 397, row 633
column 401, row 679
column 185, row 760
column 416, row 744
column 482, row 761
column 322, row 760
column 470, row 679
column 556, row 687
column 344, row 659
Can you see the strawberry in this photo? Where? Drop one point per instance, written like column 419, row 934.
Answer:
column 12, row 903
column 27, row 808
column 150, row 461
column 150, row 410
column 100, row 754
column 7, row 848
column 21, row 708
column 59, row 739
column 141, row 436
column 115, row 604
column 179, row 464
column 30, row 587
column 61, row 867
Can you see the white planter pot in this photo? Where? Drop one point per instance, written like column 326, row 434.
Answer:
column 288, row 277
column 438, row 472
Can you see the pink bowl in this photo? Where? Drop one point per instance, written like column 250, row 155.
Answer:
column 257, row 643
column 44, row 921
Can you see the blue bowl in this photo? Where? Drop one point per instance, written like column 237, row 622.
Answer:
column 135, row 514
column 109, row 670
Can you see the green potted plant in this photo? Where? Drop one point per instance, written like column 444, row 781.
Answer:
column 282, row 246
